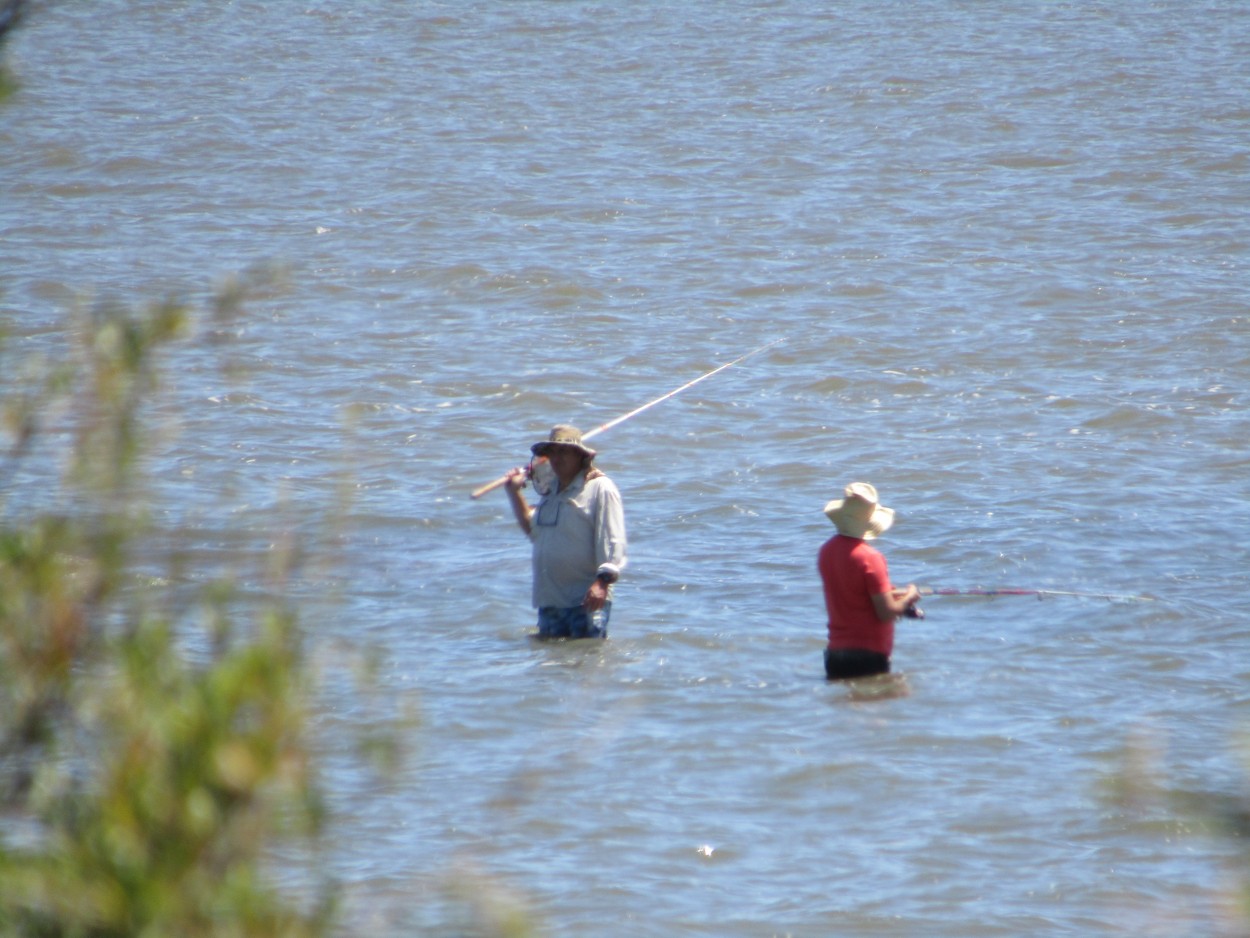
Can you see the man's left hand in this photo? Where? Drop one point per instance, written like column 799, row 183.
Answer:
column 596, row 596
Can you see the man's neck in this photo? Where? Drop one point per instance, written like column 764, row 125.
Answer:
column 590, row 473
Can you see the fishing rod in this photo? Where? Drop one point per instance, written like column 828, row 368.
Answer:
column 491, row 486
column 1040, row 594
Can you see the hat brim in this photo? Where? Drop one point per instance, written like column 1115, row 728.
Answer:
column 543, row 448
column 865, row 529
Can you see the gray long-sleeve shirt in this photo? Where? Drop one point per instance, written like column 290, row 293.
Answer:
column 576, row 533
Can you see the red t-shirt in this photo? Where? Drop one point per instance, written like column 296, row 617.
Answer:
column 852, row 573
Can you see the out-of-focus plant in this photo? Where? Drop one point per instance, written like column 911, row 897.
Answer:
column 144, row 787
column 1144, row 790
column 10, row 12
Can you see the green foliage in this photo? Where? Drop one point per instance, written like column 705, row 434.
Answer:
column 196, row 768
column 10, row 15
column 148, row 767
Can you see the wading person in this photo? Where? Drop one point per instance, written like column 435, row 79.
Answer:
column 861, row 603
column 577, row 530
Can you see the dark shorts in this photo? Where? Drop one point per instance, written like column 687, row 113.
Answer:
column 575, row 622
column 843, row 663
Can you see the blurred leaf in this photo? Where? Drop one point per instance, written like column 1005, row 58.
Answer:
column 155, row 783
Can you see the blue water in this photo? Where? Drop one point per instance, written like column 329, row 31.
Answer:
column 1006, row 248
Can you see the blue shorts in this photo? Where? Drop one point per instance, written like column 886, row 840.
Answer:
column 573, row 622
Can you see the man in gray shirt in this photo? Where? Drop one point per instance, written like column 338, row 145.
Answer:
column 578, row 535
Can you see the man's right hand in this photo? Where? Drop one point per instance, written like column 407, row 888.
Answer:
column 517, row 479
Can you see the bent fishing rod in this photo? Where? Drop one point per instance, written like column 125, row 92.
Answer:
column 491, row 486
column 1040, row 594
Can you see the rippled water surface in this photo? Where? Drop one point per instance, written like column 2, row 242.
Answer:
column 1006, row 247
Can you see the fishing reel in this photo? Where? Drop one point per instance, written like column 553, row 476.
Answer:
column 913, row 611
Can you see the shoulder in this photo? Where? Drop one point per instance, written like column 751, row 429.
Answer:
column 838, row 551
column 601, row 484
column 870, row 557
column 860, row 553
column 842, row 543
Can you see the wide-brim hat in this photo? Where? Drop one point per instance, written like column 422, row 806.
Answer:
column 562, row 435
column 859, row 513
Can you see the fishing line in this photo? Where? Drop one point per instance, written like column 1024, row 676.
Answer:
column 633, row 413
column 491, row 486
column 1040, row 594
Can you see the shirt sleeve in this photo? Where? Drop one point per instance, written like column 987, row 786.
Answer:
column 876, row 574
column 609, row 529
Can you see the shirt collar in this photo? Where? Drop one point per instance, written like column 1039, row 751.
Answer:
column 578, row 483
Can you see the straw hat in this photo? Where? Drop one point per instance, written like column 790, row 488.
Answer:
column 859, row 514
column 563, row 435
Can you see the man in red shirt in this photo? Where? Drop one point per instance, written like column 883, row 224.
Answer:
column 862, row 604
